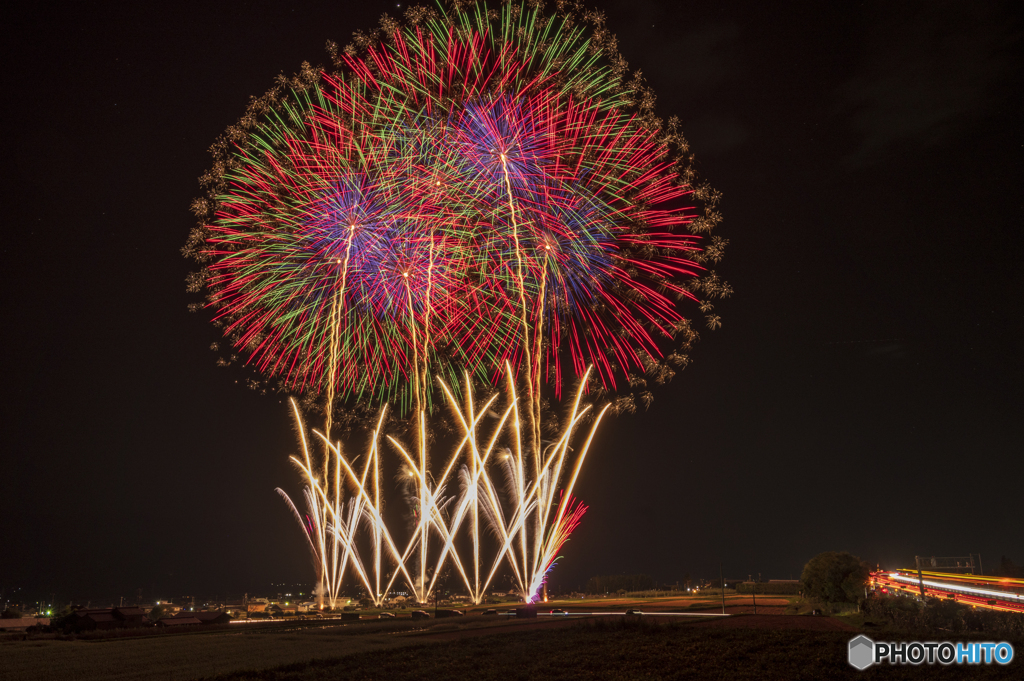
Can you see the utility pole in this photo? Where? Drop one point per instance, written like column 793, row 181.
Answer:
column 755, row 598
column 920, row 580
column 721, row 577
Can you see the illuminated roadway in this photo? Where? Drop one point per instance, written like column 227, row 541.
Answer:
column 992, row 593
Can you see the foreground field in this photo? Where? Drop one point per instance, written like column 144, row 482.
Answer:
column 621, row 649
column 603, row 646
column 186, row 656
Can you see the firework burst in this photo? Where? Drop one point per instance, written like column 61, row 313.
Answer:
column 470, row 195
column 471, row 187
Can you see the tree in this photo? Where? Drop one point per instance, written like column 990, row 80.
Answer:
column 835, row 577
column 156, row 613
column 11, row 614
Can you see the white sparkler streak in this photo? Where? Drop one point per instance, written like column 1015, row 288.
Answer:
column 323, row 542
column 374, row 513
column 470, row 438
column 330, row 580
column 480, row 478
column 543, row 487
column 298, row 518
column 333, row 528
column 519, row 468
column 429, row 511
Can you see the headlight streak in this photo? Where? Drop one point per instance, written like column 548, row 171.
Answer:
column 947, row 586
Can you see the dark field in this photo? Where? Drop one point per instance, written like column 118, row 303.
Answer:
column 763, row 646
column 623, row 649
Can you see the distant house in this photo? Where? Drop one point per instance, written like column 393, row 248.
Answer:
column 130, row 616
column 96, row 619
column 292, row 606
column 108, row 618
column 177, row 621
column 212, row 617
column 187, row 618
column 236, row 609
column 168, row 606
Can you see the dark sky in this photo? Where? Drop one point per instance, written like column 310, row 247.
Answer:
column 864, row 392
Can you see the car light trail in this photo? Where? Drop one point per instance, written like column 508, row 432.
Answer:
column 1004, row 595
column 990, row 593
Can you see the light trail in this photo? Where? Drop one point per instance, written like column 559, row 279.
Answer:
column 971, row 590
column 945, row 586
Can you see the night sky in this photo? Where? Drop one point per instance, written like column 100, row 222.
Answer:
column 864, row 392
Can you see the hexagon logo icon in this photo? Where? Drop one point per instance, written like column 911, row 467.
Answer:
column 862, row 652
